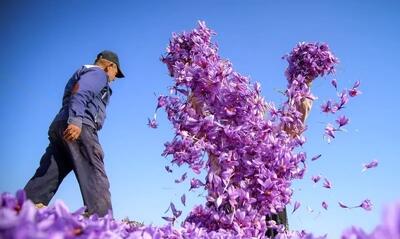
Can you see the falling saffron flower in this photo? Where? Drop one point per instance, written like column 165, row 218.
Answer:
column 372, row 164
column 169, row 170
column 183, row 199
column 354, row 92
column 334, row 83
column 327, row 107
column 342, row 205
column 366, row 205
column 330, row 132
column 183, row 177
column 195, row 183
column 176, row 212
column 325, row 205
column 152, row 123
column 327, row 184
column 342, row 121
column 297, row 204
column 315, row 179
column 161, row 101
column 316, row 157
column 356, row 84
column 343, row 100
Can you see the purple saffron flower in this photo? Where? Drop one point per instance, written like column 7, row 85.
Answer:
column 327, row 107
column 316, row 157
column 366, row 205
column 169, row 170
column 342, row 205
column 296, row 206
column 161, row 101
column 327, row 184
column 315, row 179
column 334, row 83
column 330, row 132
column 183, row 199
column 325, row 205
column 372, row 164
column 356, row 84
column 183, row 177
column 175, row 212
column 342, row 120
column 152, row 123
column 195, row 183
column 354, row 92
column 343, row 100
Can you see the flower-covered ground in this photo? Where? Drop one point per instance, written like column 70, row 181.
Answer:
column 19, row 218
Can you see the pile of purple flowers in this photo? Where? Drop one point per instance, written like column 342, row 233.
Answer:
column 224, row 126
column 220, row 125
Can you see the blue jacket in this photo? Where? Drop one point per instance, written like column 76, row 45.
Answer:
column 86, row 96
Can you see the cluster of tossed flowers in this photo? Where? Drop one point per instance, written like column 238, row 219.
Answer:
column 249, row 148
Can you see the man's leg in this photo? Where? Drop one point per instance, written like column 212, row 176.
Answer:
column 280, row 219
column 54, row 166
column 87, row 158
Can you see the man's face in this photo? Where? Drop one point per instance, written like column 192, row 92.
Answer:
column 112, row 71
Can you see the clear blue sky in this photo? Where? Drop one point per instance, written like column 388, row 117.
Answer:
column 44, row 42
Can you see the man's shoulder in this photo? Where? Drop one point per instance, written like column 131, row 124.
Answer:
column 94, row 67
column 94, row 70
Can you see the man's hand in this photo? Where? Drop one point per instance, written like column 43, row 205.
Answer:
column 72, row 132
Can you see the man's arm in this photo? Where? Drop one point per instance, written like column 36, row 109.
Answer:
column 89, row 85
column 304, row 107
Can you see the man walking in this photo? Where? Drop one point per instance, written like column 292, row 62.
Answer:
column 74, row 144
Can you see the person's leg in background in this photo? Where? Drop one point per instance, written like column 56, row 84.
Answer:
column 280, row 219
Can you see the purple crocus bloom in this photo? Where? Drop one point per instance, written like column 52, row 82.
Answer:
column 330, row 132
column 334, row 83
column 175, row 212
column 326, row 107
column 161, row 101
column 366, row 205
column 195, row 183
column 342, row 205
column 316, row 178
column 354, row 92
column 296, row 206
column 183, row 199
column 152, row 123
column 343, row 100
column 169, row 170
column 342, row 120
column 316, row 157
column 327, row 184
column 372, row 164
column 325, row 205
column 183, row 177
